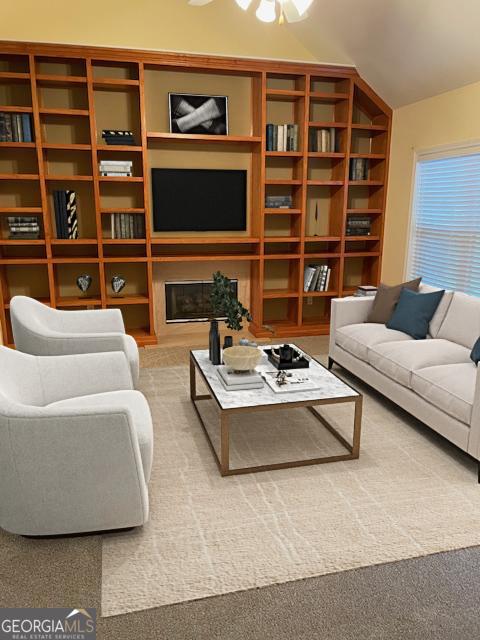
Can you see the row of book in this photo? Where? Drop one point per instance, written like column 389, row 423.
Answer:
column 127, row 226
column 282, row 137
column 316, row 277
column 365, row 290
column 23, row 228
column 118, row 137
column 65, row 204
column 278, row 202
column 15, row 127
column 359, row 168
column 322, row 140
column 115, row 168
column 359, row 226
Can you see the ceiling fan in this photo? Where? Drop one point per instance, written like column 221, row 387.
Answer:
column 290, row 10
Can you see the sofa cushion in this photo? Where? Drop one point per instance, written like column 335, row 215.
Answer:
column 386, row 299
column 441, row 312
column 398, row 360
column 450, row 387
column 414, row 312
column 462, row 322
column 136, row 403
column 356, row 338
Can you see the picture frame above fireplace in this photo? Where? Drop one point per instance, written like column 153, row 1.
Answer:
column 191, row 113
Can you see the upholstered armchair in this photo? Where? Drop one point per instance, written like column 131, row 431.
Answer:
column 76, row 444
column 42, row 331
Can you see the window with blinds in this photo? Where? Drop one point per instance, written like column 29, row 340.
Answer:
column 445, row 226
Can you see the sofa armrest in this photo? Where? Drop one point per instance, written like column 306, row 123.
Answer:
column 345, row 311
column 92, row 321
column 72, row 376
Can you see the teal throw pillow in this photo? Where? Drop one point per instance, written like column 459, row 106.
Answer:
column 475, row 355
column 414, row 311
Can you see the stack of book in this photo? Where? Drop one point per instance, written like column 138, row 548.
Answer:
column 16, row 127
column 66, row 214
column 23, row 228
column 316, row 277
column 239, row 380
column 365, row 290
column 359, row 168
column 278, row 202
column 282, row 137
column 322, row 140
column 122, row 168
column 359, row 226
column 126, row 226
column 118, row 137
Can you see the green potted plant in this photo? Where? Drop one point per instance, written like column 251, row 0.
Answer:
column 224, row 303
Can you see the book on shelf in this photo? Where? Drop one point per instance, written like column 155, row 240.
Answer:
column 323, row 140
column 15, row 127
column 278, row 202
column 365, row 290
column 23, row 227
column 282, row 137
column 126, row 226
column 359, row 226
column 316, row 278
column 115, row 168
column 359, row 169
column 118, row 137
column 66, row 221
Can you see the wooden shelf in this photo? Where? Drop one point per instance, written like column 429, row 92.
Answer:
column 61, row 178
column 325, row 154
column 362, row 254
column 283, row 154
column 12, row 75
column 19, row 242
column 284, row 212
column 365, row 183
column 119, row 147
column 66, row 147
column 285, row 95
column 282, row 256
column 271, row 294
column 121, row 300
column 120, row 178
column 281, row 239
column 219, row 257
column 283, row 182
column 321, row 255
column 64, row 112
column 114, row 83
column 119, row 210
column 205, row 240
column 73, row 301
column 367, row 211
column 319, row 294
column 325, row 183
column 322, row 238
column 17, row 145
column 327, row 125
column 361, row 238
column 324, row 96
column 206, row 139
column 369, row 127
column 75, row 242
column 50, row 78
column 10, row 109
column 19, row 176
column 369, row 156
column 20, row 211
column 120, row 241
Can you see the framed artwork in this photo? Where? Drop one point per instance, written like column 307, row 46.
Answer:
column 190, row 113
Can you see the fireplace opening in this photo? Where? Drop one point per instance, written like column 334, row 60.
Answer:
column 189, row 300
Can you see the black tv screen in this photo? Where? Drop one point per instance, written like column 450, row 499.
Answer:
column 199, row 200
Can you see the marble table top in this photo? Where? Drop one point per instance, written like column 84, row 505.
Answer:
column 330, row 387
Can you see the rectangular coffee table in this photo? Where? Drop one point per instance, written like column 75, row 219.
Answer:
column 331, row 390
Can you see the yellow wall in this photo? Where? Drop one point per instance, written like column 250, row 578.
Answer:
column 219, row 28
column 448, row 118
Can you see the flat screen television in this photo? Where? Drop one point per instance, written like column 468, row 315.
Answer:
column 199, row 199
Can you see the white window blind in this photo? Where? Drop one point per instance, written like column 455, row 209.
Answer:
column 445, row 238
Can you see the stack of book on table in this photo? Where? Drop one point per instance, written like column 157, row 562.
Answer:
column 316, row 277
column 15, row 127
column 365, row 290
column 66, row 214
column 359, row 226
column 23, row 228
column 115, row 168
column 322, row 140
column 278, row 202
column 239, row 380
column 359, row 169
column 126, row 226
column 118, row 137
column 282, row 137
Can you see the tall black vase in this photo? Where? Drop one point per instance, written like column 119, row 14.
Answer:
column 214, row 343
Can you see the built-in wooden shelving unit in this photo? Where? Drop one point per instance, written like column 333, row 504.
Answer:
column 72, row 93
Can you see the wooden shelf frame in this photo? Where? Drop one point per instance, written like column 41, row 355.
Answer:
column 295, row 87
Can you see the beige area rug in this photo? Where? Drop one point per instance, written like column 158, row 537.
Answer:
column 410, row 494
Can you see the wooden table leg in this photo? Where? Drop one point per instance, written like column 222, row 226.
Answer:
column 224, row 443
column 357, row 427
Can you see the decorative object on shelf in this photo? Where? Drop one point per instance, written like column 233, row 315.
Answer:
column 242, row 358
column 65, row 204
column 289, row 10
column 83, row 282
column 118, row 283
column 118, row 137
column 214, row 343
column 225, row 302
column 190, row 113
column 287, row 357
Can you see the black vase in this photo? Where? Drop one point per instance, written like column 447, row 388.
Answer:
column 214, row 343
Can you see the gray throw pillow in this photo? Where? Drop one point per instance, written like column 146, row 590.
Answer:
column 386, row 300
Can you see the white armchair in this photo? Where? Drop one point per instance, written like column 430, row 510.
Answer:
column 76, row 444
column 42, row 331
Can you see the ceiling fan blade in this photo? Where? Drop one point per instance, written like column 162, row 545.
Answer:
column 199, row 3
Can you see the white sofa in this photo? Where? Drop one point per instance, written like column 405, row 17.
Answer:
column 76, row 444
column 433, row 379
column 43, row 331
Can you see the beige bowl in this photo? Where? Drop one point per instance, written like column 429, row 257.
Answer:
column 242, row 358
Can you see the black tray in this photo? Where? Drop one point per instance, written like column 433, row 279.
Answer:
column 303, row 363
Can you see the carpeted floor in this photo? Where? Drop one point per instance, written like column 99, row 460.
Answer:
column 431, row 597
